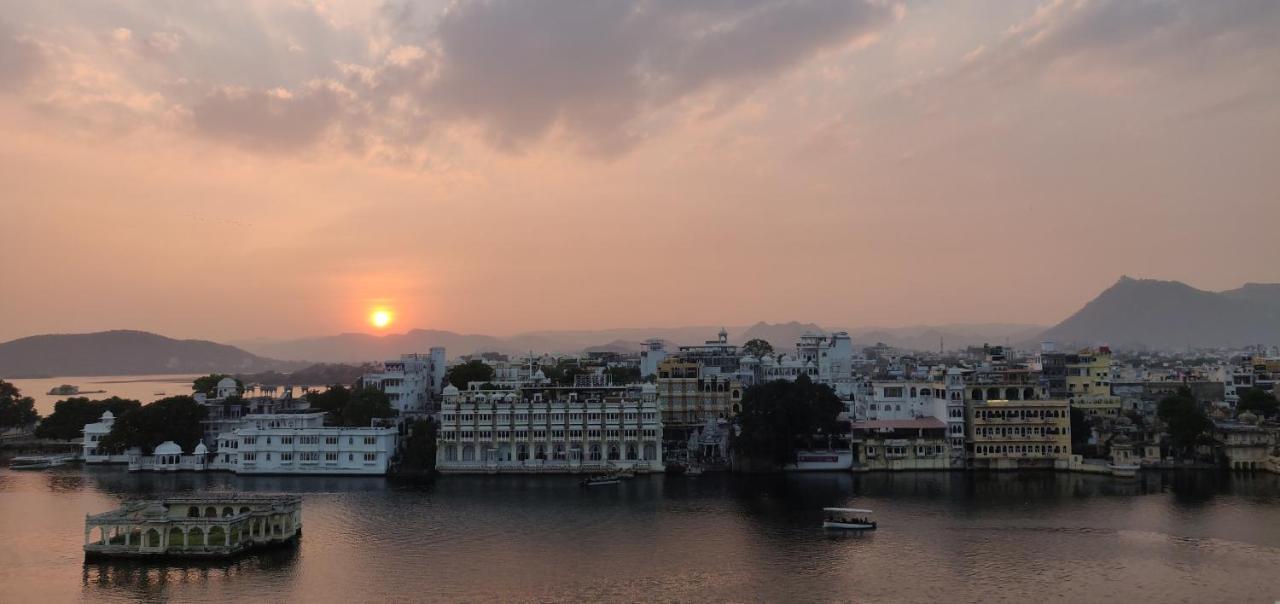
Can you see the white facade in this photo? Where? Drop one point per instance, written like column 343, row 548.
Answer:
column 503, row 431
column 95, row 432
column 299, row 443
column 653, row 352
column 413, row 382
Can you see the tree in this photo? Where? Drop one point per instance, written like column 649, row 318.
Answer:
column 16, row 410
column 418, row 457
column 331, row 400
column 780, row 417
column 1258, row 402
column 363, row 406
column 623, row 375
column 176, row 418
column 757, row 347
column 208, row 384
column 70, row 416
column 471, row 371
column 1184, row 420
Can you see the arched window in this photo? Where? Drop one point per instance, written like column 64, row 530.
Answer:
column 195, row 538
column 217, row 536
column 153, row 538
column 228, row 511
column 176, row 538
column 211, row 512
column 613, row 452
column 977, row 394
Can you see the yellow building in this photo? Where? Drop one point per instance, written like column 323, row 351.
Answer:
column 1008, row 435
column 1089, row 382
column 689, row 394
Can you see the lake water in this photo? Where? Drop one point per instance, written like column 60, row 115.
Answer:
column 1044, row 537
column 145, row 388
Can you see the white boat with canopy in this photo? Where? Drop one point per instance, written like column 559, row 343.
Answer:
column 848, row 518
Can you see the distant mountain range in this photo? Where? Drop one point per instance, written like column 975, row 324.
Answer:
column 1131, row 314
column 124, row 353
column 1146, row 313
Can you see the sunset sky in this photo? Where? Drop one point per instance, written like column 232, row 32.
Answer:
column 279, row 169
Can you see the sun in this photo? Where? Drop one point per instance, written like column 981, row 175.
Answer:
column 380, row 318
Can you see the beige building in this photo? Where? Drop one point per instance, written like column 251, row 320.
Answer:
column 899, row 445
column 689, row 394
column 1008, row 435
column 1089, row 383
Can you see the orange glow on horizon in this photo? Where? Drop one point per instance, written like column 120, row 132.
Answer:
column 380, row 318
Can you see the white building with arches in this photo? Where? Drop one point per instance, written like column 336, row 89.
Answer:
column 554, row 430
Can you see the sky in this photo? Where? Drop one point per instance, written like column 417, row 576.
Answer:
column 233, row 170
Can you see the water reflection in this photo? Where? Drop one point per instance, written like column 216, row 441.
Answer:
column 153, row 581
column 714, row 537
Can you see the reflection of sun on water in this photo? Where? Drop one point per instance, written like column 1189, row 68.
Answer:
column 380, row 318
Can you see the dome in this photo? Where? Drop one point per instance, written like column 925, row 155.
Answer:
column 1247, row 418
column 648, row 389
column 227, row 382
column 748, row 359
column 168, row 447
column 108, row 415
column 450, row 390
column 539, row 375
column 1120, row 439
column 510, row 398
column 768, row 361
column 201, row 449
column 1124, row 420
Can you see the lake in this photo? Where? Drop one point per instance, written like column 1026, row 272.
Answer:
column 145, row 388
column 1173, row 537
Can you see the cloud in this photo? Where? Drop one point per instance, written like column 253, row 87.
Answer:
column 21, row 59
column 275, row 120
column 595, row 69
column 1134, row 35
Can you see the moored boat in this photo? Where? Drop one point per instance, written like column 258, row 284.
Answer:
column 603, row 479
column 37, row 462
column 848, row 518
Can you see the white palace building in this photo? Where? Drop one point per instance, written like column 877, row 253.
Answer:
column 548, row 429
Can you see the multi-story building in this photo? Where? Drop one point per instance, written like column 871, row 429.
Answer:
column 718, row 354
column 549, row 430
column 901, row 400
column 1089, row 376
column 1241, row 444
column 690, row 393
column 413, row 382
column 902, row 444
column 1019, row 434
column 300, row 443
column 93, row 434
column 652, row 353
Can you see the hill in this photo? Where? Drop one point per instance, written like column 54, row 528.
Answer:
column 1147, row 313
column 124, row 352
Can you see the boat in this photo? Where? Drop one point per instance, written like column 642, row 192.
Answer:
column 693, row 470
column 64, row 390
column 602, row 479
column 848, row 518
column 37, row 462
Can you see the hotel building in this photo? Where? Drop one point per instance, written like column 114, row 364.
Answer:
column 549, row 429
column 1019, row 434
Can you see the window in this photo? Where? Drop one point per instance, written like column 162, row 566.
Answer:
column 250, row 440
column 330, row 440
column 331, row 457
column 371, row 457
column 370, row 440
column 286, row 456
column 249, row 456
column 286, row 440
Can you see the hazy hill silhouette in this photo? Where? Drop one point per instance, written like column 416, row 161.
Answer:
column 124, row 352
column 1137, row 313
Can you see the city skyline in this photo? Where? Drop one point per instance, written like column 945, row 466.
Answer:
column 283, row 170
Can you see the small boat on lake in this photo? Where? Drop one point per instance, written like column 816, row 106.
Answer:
column 38, row 462
column 64, row 390
column 848, row 518
column 602, row 479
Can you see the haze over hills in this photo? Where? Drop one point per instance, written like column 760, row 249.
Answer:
column 1131, row 314
column 124, row 352
column 1147, row 313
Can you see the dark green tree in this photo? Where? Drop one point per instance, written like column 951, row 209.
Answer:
column 363, row 406
column 208, row 384
column 471, row 371
column 1258, row 402
column 780, row 417
column 418, row 457
column 70, row 416
column 16, row 410
column 757, row 347
column 176, row 418
column 620, row 376
column 1185, row 421
column 331, row 400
